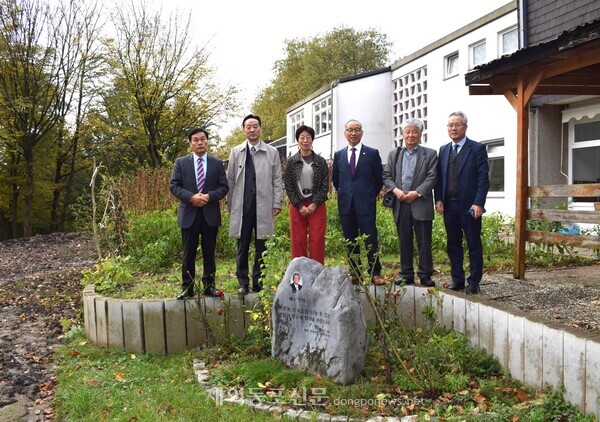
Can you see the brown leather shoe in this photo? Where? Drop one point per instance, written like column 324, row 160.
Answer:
column 377, row 280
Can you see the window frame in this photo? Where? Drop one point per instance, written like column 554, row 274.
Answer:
column 493, row 156
column 319, row 110
column 447, row 61
column 472, row 48
column 501, row 35
column 296, row 120
column 574, row 202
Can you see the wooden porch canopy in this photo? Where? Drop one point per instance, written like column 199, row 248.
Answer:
column 566, row 65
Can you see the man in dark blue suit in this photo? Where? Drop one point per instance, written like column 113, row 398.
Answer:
column 199, row 181
column 460, row 193
column 357, row 176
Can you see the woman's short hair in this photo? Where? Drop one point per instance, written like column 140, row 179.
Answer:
column 305, row 128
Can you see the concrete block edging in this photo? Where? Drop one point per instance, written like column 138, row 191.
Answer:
column 562, row 355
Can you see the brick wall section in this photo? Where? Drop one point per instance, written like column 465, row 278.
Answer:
column 546, row 19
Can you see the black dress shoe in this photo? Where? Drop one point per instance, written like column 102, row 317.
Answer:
column 427, row 282
column 403, row 281
column 185, row 294
column 243, row 290
column 211, row 291
column 456, row 287
column 472, row 290
column 257, row 288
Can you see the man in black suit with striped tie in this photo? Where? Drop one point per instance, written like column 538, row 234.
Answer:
column 199, row 182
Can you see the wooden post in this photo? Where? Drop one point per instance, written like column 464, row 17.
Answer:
column 522, row 107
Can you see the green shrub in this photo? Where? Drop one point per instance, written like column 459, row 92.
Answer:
column 109, row 275
column 154, row 240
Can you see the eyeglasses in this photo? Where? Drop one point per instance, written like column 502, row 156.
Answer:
column 455, row 125
column 353, row 129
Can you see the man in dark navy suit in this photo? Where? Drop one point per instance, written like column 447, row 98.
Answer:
column 199, row 181
column 357, row 175
column 460, row 193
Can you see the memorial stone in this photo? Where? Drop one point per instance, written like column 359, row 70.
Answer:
column 318, row 325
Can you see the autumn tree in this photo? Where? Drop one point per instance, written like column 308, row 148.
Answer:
column 34, row 77
column 78, row 28
column 310, row 64
column 168, row 81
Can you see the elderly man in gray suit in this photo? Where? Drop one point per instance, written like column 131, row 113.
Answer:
column 411, row 174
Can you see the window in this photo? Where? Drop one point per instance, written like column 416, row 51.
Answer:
column 410, row 101
column 586, row 155
column 477, row 54
column 296, row 120
column 451, row 65
column 495, row 151
column 508, row 41
column 322, row 116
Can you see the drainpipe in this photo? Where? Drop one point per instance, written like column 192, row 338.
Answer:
column 522, row 7
column 333, row 116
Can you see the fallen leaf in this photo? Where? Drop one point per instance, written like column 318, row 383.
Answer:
column 523, row 396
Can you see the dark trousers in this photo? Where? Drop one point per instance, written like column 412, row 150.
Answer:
column 458, row 222
column 198, row 229
column 422, row 229
column 352, row 224
column 243, row 246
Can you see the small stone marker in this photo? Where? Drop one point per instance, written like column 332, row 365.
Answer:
column 318, row 325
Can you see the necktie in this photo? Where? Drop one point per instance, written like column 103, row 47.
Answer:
column 455, row 150
column 353, row 161
column 200, row 175
column 252, row 152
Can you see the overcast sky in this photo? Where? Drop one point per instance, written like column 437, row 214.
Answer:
column 246, row 38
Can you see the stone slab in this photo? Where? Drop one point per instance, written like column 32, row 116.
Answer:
column 116, row 338
column 533, row 368
column 175, row 331
column 101, row 322
column 154, row 326
column 133, row 326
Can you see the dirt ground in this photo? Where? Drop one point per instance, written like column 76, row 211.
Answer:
column 40, row 286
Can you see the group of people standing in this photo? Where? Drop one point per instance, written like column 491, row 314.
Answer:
column 457, row 179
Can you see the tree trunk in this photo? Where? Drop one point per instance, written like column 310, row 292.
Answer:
column 70, row 181
column 28, row 192
column 14, row 212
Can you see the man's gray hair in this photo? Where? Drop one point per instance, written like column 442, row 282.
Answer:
column 418, row 123
column 461, row 114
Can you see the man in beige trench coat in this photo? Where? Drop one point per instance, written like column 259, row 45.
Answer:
column 253, row 200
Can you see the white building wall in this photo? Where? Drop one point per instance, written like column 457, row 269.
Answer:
column 490, row 117
column 368, row 101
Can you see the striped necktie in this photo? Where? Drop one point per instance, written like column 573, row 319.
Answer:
column 200, row 175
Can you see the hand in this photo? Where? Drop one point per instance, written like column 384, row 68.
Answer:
column 303, row 211
column 477, row 210
column 399, row 194
column 200, row 199
column 276, row 211
column 439, row 207
column 411, row 196
column 311, row 208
